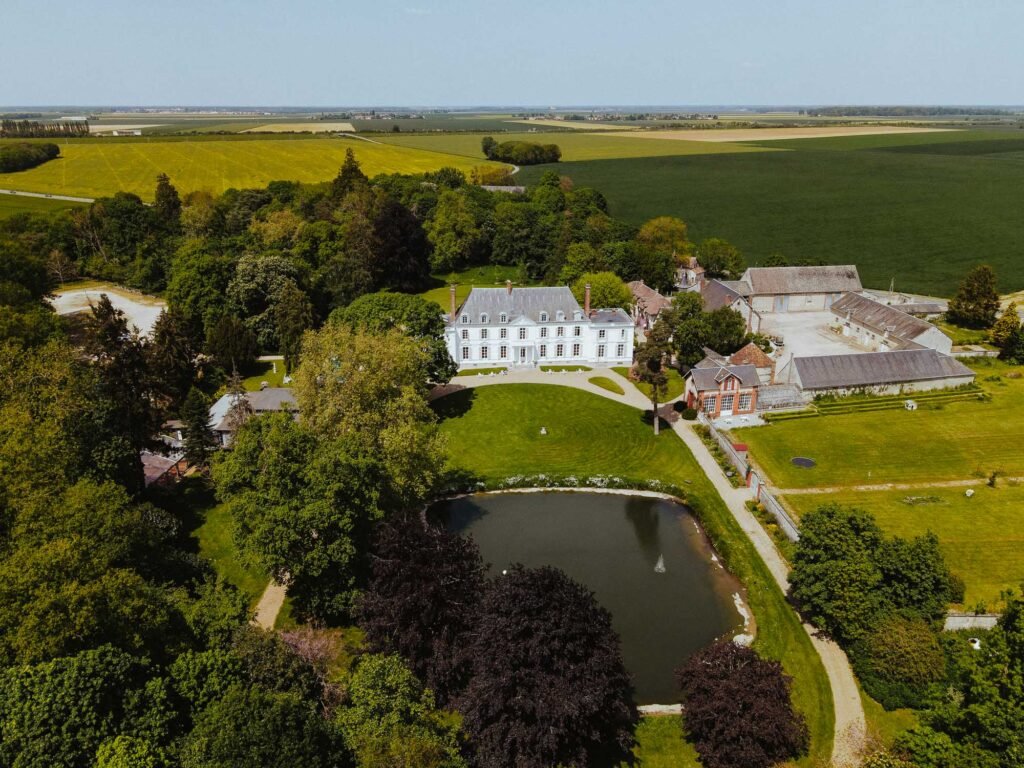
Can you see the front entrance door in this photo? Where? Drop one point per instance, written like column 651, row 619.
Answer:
column 727, row 401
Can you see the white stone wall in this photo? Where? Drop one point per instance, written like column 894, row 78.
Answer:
column 529, row 344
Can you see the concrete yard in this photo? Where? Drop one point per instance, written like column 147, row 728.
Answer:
column 806, row 334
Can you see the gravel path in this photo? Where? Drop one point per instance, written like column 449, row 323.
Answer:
column 850, row 726
column 269, row 606
column 891, row 486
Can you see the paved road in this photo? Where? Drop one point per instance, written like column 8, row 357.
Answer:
column 68, row 198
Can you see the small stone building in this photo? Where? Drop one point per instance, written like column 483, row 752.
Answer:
column 715, row 387
column 647, row 304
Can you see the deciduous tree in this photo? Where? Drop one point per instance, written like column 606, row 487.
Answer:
column 544, row 645
column 738, row 712
column 422, row 600
column 607, row 291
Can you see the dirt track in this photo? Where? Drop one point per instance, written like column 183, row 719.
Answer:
column 771, row 134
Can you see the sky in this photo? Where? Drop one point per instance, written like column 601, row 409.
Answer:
column 530, row 53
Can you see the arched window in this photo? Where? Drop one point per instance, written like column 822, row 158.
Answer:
column 543, row 317
column 577, row 315
column 503, row 318
column 483, row 317
column 560, row 315
column 465, row 318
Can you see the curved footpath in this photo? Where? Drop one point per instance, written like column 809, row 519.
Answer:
column 850, row 727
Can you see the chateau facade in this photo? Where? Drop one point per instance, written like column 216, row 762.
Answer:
column 529, row 327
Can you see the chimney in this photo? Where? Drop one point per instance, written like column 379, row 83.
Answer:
column 586, row 300
column 451, row 296
column 508, row 287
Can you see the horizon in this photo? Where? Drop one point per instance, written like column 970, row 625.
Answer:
column 455, row 52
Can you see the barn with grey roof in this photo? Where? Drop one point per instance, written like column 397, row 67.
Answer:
column 880, row 327
column 799, row 289
column 894, row 372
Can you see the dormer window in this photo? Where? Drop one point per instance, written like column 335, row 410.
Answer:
column 543, row 317
column 465, row 318
column 483, row 317
column 577, row 315
column 503, row 318
column 560, row 315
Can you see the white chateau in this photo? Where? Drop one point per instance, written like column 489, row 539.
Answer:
column 530, row 327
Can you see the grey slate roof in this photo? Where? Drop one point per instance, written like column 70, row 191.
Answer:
column 708, row 377
column 787, row 280
column 609, row 316
column 272, row 399
column 529, row 303
column 921, row 308
column 717, row 294
column 877, row 368
column 880, row 317
column 520, row 302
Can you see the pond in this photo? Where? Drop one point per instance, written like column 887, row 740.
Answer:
column 140, row 309
column 646, row 560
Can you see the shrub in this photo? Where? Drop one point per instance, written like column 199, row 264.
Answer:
column 690, row 414
column 899, row 662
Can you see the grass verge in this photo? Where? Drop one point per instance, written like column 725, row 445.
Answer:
column 605, row 383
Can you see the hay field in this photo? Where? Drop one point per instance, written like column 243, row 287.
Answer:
column 310, row 126
column 576, row 147
column 775, row 134
column 97, row 169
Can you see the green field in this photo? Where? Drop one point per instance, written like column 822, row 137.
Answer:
column 12, row 204
column 675, row 387
column 982, row 537
column 923, row 217
column 96, row 167
column 591, row 435
column 577, row 146
column 959, row 441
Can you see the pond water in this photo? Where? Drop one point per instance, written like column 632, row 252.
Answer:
column 646, row 560
column 140, row 309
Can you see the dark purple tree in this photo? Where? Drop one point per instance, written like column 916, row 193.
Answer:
column 423, row 599
column 549, row 686
column 737, row 709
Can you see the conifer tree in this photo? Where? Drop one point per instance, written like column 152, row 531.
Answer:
column 977, row 301
column 199, row 437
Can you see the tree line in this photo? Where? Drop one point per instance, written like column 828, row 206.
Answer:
column 20, row 157
column 50, row 129
column 520, row 152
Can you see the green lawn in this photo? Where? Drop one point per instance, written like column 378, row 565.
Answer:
column 264, row 371
column 676, row 383
column 102, row 167
column 660, row 744
column 958, row 441
column 216, row 543
column 605, row 383
column 883, row 727
column 576, row 146
column 12, row 204
column 923, row 218
column 982, row 537
column 490, row 276
column 494, row 432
